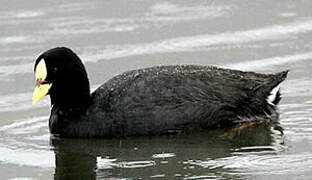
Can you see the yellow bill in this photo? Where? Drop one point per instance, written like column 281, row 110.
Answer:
column 40, row 91
column 40, row 75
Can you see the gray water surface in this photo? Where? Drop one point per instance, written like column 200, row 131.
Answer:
column 115, row 36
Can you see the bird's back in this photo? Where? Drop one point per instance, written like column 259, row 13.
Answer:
column 167, row 99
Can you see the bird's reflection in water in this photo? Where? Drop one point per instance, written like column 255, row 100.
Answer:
column 141, row 157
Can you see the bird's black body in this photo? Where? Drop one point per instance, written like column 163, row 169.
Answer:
column 156, row 100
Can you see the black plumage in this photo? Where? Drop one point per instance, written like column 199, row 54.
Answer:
column 154, row 101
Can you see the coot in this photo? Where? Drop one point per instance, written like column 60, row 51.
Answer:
column 151, row 101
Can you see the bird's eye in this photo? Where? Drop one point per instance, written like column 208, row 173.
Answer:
column 55, row 69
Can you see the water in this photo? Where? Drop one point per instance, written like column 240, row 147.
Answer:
column 115, row 36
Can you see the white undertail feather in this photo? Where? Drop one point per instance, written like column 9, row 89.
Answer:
column 273, row 94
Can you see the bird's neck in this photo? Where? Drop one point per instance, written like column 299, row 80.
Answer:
column 72, row 93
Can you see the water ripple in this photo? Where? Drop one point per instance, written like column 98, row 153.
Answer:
column 32, row 157
column 262, row 165
column 161, row 13
column 269, row 62
column 181, row 44
column 163, row 155
column 94, row 54
column 103, row 163
column 19, row 124
column 169, row 11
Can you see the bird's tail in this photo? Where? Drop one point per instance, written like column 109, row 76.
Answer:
column 272, row 89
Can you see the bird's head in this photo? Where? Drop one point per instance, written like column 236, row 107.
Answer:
column 59, row 73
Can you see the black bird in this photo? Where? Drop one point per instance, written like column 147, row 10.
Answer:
column 151, row 101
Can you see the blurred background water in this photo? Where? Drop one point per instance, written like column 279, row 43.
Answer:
column 115, row 36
